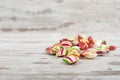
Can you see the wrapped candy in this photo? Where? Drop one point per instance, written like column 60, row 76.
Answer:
column 98, row 43
column 102, row 50
column 74, row 40
column 66, row 43
column 50, row 51
column 83, row 45
column 112, row 47
column 56, row 47
column 73, row 47
column 101, row 53
column 74, row 52
column 90, row 42
column 82, row 38
column 61, row 52
column 89, row 54
column 76, row 48
column 70, row 59
column 86, row 43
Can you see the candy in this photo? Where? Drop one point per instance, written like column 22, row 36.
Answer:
column 90, row 39
column 83, row 45
column 49, row 50
column 98, row 43
column 75, row 41
column 74, row 52
column 71, row 59
column 112, row 47
column 56, row 47
column 103, row 48
column 74, row 47
column 82, row 38
column 101, row 53
column 89, row 54
column 86, row 43
column 61, row 52
column 65, row 43
column 91, row 42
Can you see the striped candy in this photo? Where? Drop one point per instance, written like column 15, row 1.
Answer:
column 66, row 43
column 71, row 59
column 89, row 54
column 101, row 53
column 50, row 51
column 74, row 47
column 102, row 50
column 74, row 52
column 56, row 47
column 61, row 52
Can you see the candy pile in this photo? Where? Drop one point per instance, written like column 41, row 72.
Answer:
column 75, row 47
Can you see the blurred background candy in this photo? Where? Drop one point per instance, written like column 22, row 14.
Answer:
column 101, row 53
column 112, row 47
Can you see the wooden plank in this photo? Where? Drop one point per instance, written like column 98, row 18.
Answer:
column 23, row 57
column 27, row 27
column 58, row 15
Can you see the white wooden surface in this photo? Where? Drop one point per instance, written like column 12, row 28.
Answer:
column 22, row 57
column 27, row 27
column 57, row 15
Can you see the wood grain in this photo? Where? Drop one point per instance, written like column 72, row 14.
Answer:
column 22, row 56
column 27, row 27
column 59, row 15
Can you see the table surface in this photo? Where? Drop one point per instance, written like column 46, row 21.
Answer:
column 23, row 57
column 27, row 27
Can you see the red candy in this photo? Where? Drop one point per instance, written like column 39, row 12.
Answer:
column 90, row 39
column 83, row 45
column 91, row 42
column 111, row 47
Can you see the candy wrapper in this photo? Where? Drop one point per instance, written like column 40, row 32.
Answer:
column 75, row 47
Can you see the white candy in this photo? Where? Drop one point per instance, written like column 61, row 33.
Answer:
column 90, row 55
column 98, row 43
